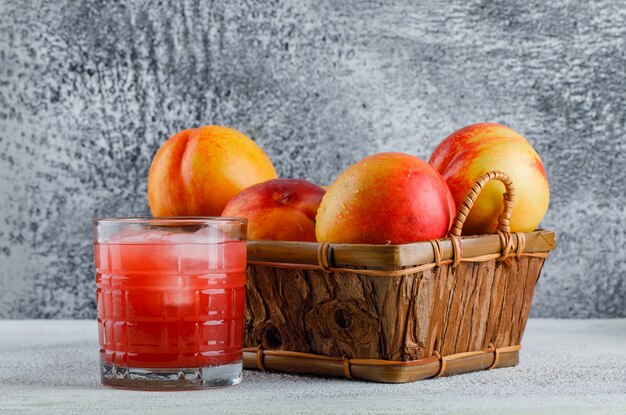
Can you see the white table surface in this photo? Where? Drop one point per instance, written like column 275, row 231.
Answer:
column 567, row 366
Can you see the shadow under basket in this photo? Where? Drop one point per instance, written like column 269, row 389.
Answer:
column 394, row 313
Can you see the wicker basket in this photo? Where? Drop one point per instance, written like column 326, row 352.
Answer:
column 394, row 313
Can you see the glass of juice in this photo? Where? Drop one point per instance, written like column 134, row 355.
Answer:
column 170, row 298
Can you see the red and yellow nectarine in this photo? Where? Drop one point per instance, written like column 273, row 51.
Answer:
column 279, row 209
column 197, row 171
column 386, row 198
column 476, row 149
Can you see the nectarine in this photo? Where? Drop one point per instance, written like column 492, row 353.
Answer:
column 279, row 209
column 471, row 151
column 197, row 171
column 386, row 198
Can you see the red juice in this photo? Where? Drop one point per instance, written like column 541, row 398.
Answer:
column 170, row 305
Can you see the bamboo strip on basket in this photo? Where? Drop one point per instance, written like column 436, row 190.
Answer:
column 301, row 254
column 386, row 371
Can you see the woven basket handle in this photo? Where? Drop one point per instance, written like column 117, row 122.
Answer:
column 472, row 195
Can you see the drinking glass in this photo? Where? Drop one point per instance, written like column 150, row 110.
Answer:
column 170, row 299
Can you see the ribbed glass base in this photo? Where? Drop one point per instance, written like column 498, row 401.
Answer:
column 171, row 379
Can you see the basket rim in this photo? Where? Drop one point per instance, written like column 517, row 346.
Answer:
column 401, row 255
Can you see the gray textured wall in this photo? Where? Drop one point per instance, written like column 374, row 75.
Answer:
column 89, row 90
